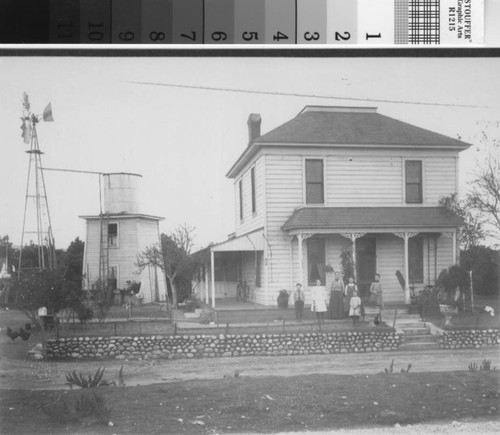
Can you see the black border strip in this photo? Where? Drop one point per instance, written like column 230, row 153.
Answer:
column 249, row 52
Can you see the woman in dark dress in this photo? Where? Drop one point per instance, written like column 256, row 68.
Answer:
column 337, row 293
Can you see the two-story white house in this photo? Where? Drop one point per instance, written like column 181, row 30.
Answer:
column 333, row 176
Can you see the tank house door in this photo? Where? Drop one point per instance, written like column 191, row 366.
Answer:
column 366, row 263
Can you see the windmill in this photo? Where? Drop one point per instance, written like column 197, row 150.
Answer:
column 36, row 203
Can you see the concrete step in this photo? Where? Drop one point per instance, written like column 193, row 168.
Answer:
column 415, row 331
column 419, row 338
column 419, row 346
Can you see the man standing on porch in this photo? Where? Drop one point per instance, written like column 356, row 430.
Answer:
column 337, row 293
column 376, row 297
column 298, row 297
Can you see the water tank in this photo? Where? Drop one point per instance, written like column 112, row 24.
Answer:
column 121, row 193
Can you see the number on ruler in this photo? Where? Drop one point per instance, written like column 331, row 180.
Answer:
column 192, row 36
column 157, row 36
column 368, row 36
column 95, row 35
column 126, row 36
column 339, row 37
column 219, row 36
column 279, row 36
column 308, row 36
column 249, row 36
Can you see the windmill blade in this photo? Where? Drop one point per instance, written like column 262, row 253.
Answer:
column 26, row 102
column 47, row 113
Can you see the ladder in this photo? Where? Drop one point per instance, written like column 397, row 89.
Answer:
column 103, row 252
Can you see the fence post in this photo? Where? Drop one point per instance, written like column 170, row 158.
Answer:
column 395, row 315
column 283, row 326
column 175, row 328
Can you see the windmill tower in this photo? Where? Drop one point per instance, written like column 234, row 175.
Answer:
column 36, row 218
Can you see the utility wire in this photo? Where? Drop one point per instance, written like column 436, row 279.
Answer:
column 289, row 94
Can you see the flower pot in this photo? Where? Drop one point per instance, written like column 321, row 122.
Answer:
column 282, row 302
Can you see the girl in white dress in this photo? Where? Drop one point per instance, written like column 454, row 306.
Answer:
column 355, row 308
column 318, row 304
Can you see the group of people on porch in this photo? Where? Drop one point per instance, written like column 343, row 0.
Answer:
column 339, row 302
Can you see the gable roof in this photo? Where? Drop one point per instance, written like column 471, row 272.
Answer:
column 347, row 126
column 374, row 218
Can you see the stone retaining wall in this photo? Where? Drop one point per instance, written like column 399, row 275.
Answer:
column 211, row 346
column 469, row 338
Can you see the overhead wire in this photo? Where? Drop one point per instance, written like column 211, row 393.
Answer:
column 294, row 94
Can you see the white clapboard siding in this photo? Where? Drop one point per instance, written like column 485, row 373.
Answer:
column 251, row 221
column 352, row 181
column 148, row 234
column 390, row 258
column 134, row 234
column 283, row 195
column 445, row 254
column 440, row 178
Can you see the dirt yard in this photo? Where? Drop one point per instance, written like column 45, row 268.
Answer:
column 204, row 396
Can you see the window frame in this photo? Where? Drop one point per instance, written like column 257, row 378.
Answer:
column 406, row 183
column 240, row 192
column 321, row 273
column 116, row 243
column 416, row 258
column 306, row 183
column 253, row 191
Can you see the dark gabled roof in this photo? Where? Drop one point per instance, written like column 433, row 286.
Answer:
column 347, row 126
column 353, row 125
column 351, row 218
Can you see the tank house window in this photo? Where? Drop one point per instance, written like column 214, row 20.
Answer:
column 113, row 277
column 314, row 181
column 413, row 174
column 252, row 180
column 316, row 261
column 416, row 259
column 240, row 187
column 113, row 235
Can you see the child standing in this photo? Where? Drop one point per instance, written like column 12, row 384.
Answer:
column 376, row 292
column 355, row 308
column 349, row 291
column 298, row 297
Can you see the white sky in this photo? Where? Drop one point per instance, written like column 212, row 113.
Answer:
column 183, row 141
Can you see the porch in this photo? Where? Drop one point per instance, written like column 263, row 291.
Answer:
column 362, row 241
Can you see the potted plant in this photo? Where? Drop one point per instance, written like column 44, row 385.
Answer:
column 283, row 297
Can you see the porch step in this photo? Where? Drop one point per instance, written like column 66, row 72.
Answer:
column 418, row 346
column 419, row 338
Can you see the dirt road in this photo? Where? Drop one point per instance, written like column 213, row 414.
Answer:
column 27, row 374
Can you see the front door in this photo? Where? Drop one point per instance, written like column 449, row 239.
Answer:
column 366, row 263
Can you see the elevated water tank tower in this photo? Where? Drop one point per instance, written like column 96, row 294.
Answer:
column 121, row 193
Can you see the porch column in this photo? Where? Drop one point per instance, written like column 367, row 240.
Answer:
column 205, row 282
column 453, row 237
column 300, row 238
column 405, row 237
column 212, row 273
column 291, row 264
column 352, row 237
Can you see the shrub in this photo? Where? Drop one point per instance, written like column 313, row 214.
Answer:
column 81, row 381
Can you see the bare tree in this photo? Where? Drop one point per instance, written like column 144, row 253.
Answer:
column 173, row 256
column 472, row 233
column 484, row 194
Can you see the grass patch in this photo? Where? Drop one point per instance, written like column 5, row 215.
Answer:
column 266, row 405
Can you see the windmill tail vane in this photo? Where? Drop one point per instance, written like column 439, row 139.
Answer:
column 29, row 119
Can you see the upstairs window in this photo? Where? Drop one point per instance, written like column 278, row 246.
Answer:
column 314, row 182
column 240, row 187
column 252, row 181
column 316, row 261
column 416, row 260
column 413, row 175
column 113, row 235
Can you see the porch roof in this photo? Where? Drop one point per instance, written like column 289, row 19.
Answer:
column 253, row 241
column 376, row 218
